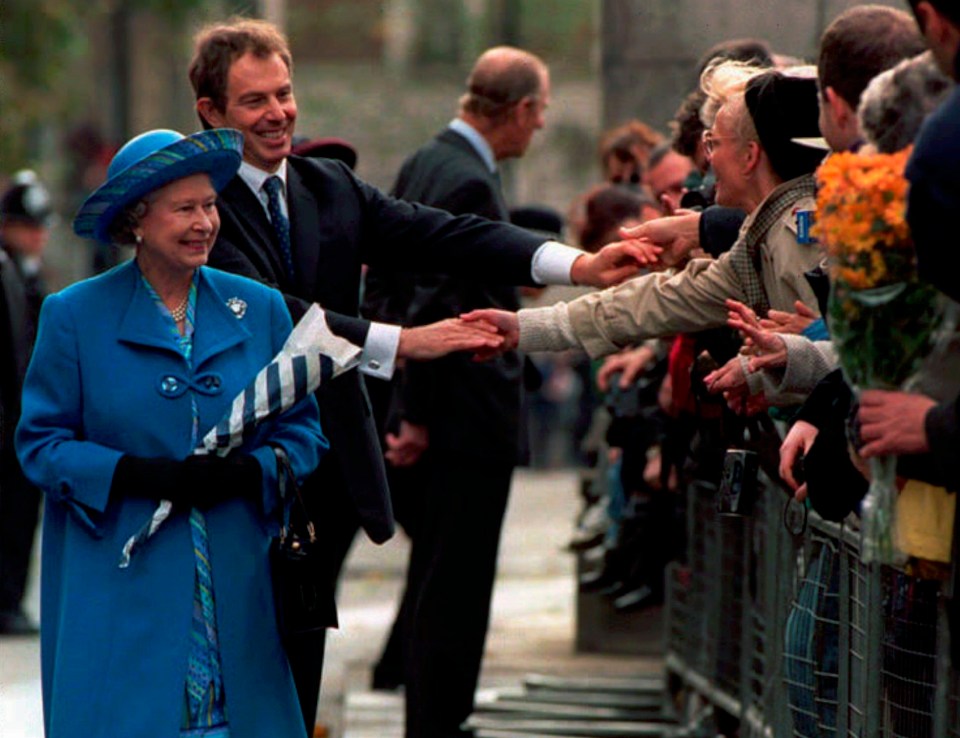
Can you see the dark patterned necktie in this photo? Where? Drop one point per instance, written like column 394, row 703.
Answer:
column 274, row 188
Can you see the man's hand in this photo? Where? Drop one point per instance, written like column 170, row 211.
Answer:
column 406, row 447
column 796, row 444
column 611, row 265
column 673, row 238
column 446, row 336
column 504, row 322
column 893, row 423
column 631, row 362
column 783, row 322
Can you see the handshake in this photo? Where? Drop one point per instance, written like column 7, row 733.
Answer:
column 487, row 333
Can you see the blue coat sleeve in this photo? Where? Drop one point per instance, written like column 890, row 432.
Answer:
column 49, row 438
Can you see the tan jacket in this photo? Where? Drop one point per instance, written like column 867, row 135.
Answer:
column 661, row 305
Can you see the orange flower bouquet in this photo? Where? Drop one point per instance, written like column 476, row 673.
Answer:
column 882, row 318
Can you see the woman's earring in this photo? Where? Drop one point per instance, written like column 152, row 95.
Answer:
column 138, row 238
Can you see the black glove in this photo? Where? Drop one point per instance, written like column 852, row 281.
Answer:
column 197, row 481
column 213, row 479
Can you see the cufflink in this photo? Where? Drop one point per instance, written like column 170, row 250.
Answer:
column 373, row 364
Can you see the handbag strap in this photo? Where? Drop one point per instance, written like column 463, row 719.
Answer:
column 290, row 495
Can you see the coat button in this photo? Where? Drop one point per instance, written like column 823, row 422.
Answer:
column 169, row 385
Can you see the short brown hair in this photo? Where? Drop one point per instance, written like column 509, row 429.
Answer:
column 501, row 78
column 687, row 127
column 216, row 47
column 601, row 209
column 862, row 42
column 621, row 141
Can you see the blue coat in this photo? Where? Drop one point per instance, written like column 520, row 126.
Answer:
column 114, row 641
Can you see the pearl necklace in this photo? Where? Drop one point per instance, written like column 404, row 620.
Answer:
column 179, row 313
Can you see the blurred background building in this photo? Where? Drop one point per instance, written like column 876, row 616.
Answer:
column 79, row 77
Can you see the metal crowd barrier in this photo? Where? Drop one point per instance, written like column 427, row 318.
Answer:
column 789, row 633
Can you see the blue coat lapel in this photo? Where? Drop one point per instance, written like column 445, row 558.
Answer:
column 142, row 323
column 218, row 329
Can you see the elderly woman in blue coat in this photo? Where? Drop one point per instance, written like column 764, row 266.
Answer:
column 130, row 369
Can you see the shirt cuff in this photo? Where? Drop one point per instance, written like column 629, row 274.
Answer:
column 552, row 263
column 379, row 356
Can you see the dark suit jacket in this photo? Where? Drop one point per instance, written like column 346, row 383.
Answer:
column 337, row 224
column 472, row 409
column 17, row 328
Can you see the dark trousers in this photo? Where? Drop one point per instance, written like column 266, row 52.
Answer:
column 450, row 579
column 19, row 513
column 407, row 492
column 337, row 523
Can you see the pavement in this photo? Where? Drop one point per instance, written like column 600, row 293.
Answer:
column 533, row 626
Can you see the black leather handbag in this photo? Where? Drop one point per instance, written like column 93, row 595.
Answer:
column 303, row 595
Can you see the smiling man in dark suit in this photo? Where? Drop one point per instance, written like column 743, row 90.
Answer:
column 307, row 226
column 468, row 414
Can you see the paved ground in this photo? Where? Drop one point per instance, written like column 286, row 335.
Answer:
column 532, row 629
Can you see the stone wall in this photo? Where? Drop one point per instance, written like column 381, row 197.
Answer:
column 651, row 47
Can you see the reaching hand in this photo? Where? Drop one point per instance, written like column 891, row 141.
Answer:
column 446, row 336
column 798, row 442
column 407, row 446
column 767, row 349
column 730, row 376
column 784, row 322
column 672, row 239
column 504, row 322
column 630, row 362
column 893, row 423
column 611, row 265
column 740, row 401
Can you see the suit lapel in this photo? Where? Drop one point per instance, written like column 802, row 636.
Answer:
column 238, row 203
column 304, row 230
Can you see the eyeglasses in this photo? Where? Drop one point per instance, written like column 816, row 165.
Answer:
column 710, row 141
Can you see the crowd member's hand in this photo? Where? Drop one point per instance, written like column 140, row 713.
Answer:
column 446, row 336
column 672, row 239
column 798, row 442
column 893, row 423
column 730, row 376
column 504, row 322
column 407, row 446
column 767, row 349
column 796, row 323
column 653, row 472
column 630, row 362
column 740, row 401
column 665, row 397
column 611, row 265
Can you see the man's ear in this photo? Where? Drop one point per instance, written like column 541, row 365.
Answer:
column 840, row 109
column 208, row 111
